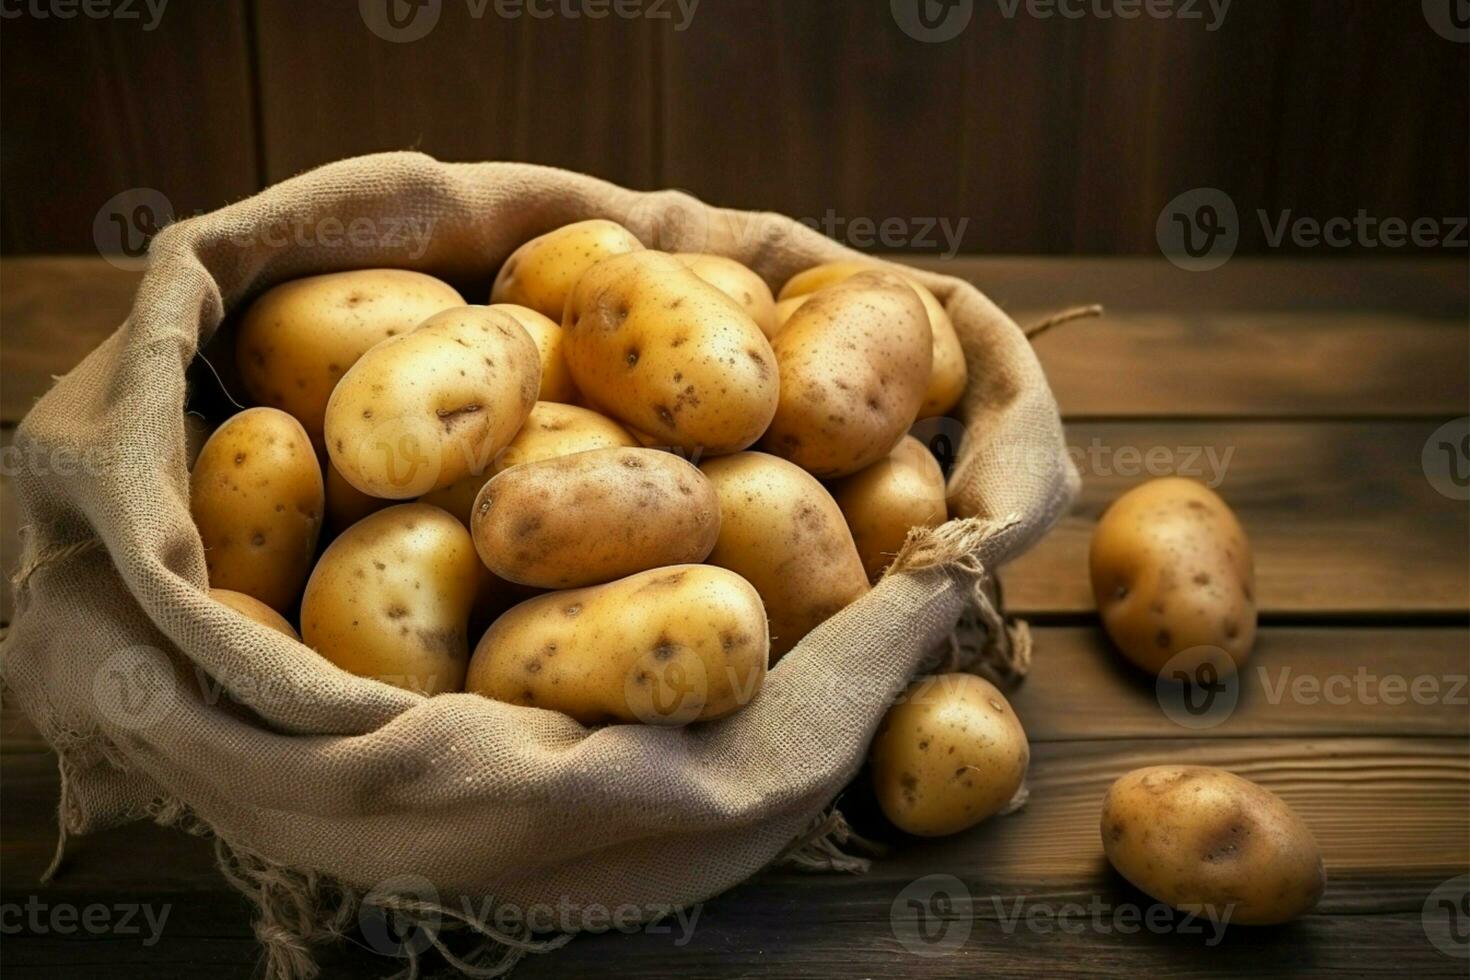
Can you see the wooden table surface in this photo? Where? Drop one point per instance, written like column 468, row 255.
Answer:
column 1309, row 387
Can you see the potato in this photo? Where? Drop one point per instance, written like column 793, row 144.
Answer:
column 1207, row 841
column 541, row 273
column 667, row 354
column 883, row 502
column 819, row 277
column 256, row 496
column 252, row 608
column 737, row 282
column 950, row 753
column 854, row 361
column 552, row 429
column 556, row 380
column 784, row 309
column 667, row 646
column 782, row 531
column 418, row 412
column 592, row 517
column 1171, row 572
column 390, row 599
column 298, row 339
column 346, row 505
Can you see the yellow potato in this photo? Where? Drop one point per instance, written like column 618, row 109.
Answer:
column 784, row 309
column 390, row 599
column 782, row 531
column 667, row 354
column 346, row 505
column 667, row 646
column 418, row 412
column 592, row 517
column 541, row 273
column 556, row 380
column 1208, row 842
column 256, row 496
column 737, row 282
column 883, row 502
column 1172, row 572
column 948, row 755
column 297, row 340
column 252, row 608
column 552, row 429
column 819, row 277
column 854, row 361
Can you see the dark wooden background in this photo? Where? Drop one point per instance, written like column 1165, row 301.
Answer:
column 1049, row 136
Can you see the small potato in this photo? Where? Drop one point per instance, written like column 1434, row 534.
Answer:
column 419, row 412
column 948, row 755
column 888, row 499
column 541, row 273
column 552, row 429
column 782, row 531
column 298, row 339
column 390, row 599
column 819, row 277
column 346, row 505
column 667, row 354
column 252, row 608
column 256, row 496
column 556, row 380
column 1208, row 842
column 1172, row 572
column 854, row 361
column 667, row 647
column 737, row 282
column 593, row 517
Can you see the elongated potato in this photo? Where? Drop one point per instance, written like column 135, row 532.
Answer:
column 541, row 273
column 256, row 496
column 556, row 379
column 883, row 502
column 667, row 354
column 737, row 282
column 667, row 646
column 595, row 516
column 299, row 338
column 390, row 599
column 418, row 412
column 252, row 608
column 854, row 362
column 782, row 532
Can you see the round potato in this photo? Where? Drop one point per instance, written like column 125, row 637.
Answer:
column 1172, row 576
column 737, row 282
column 884, row 502
column 542, row 273
column 346, row 505
column 949, row 754
column 390, row 599
column 592, row 517
column 552, row 429
column 256, row 496
column 667, row 354
column 418, row 412
column 854, row 361
column 667, row 646
column 299, row 338
column 556, row 380
column 781, row 530
column 252, row 608
column 1208, row 842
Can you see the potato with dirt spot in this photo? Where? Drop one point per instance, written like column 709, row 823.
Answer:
column 299, row 338
column 556, row 379
column 542, row 272
column 670, row 356
column 391, row 598
column 668, row 646
column 593, row 517
column 1209, row 842
column 885, row 501
column 948, row 755
column 1172, row 572
column 781, row 530
column 737, row 282
column 252, row 608
column 854, row 362
column 256, row 496
column 419, row 412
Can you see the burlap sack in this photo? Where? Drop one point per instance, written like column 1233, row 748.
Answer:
column 322, row 789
